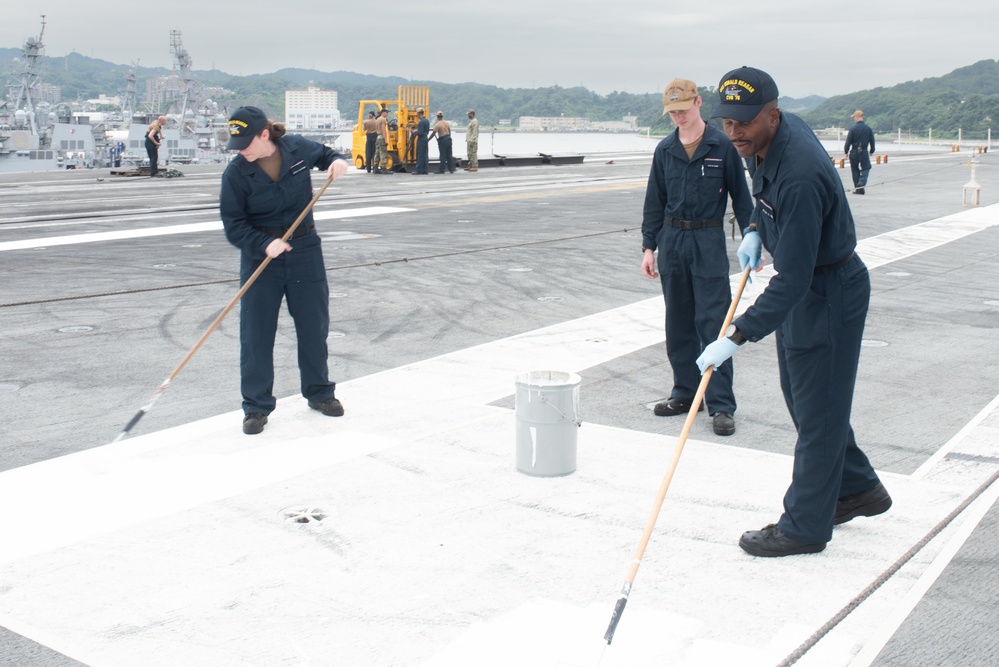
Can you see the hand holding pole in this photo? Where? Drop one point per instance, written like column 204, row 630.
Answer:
column 225, row 311
column 664, row 487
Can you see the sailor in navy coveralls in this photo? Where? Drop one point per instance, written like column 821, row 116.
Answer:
column 859, row 139
column 816, row 304
column 264, row 189
column 694, row 171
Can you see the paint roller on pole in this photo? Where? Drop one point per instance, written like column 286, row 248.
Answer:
column 218, row 320
column 664, row 487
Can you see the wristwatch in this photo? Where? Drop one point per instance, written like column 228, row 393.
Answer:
column 735, row 335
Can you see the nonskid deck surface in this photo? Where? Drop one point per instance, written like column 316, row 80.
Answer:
column 403, row 533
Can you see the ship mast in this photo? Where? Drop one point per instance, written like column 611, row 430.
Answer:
column 31, row 51
column 128, row 103
column 186, row 82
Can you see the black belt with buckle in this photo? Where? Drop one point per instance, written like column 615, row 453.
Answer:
column 279, row 232
column 835, row 265
column 694, row 224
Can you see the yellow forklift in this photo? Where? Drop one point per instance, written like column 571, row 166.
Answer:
column 402, row 121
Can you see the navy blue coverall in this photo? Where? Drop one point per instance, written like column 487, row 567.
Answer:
column 858, row 139
column 255, row 210
column 371, row 139
column 817, row 304
column 422, row 146
column 693, row 262
column 446, row 156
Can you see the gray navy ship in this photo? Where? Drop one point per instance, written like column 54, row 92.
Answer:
column 36, row 136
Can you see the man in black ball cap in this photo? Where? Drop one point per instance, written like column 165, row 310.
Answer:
column 816, row 305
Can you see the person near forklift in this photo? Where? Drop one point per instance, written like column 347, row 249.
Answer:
column 264, row 190
column 371, row 137
column 442, row 130
column 422, row 143
column 472, row 142
column 381, row 143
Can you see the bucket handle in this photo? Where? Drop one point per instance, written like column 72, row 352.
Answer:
column 577, row 422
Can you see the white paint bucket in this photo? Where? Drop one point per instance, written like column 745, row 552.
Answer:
column 547, row 405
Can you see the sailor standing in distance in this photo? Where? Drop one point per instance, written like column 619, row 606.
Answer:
column 694, row 172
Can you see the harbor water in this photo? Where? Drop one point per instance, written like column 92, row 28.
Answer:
column 509, row 143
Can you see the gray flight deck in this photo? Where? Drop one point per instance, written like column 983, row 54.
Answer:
column 403, row 533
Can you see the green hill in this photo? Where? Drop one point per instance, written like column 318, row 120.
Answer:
column 959, row 100
column 962, row 100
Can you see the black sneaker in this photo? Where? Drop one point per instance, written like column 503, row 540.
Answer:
column 723, row 423
column 772, row 542
column 253, row 423
column 675, row 406
column 872, row 502
column 858, row 191
column 331, row 407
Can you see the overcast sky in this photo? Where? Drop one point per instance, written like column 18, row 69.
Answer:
column 637, row 46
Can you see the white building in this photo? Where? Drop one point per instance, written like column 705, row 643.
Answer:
column 104, row 100
column 626, row 124
column 558, row 123
column 311, row 109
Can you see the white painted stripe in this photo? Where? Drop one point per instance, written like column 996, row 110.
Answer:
column 887, row 630
column 896, row 245
column 359, row 212
column 949, row 446
column 214, row 225
column 74, row 239
column 126, row 217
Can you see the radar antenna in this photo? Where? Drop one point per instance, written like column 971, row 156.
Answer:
column 29, row 79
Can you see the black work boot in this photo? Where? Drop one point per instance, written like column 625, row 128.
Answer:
column 871, row 502
column 723, row 424
column 772, row 542
column 253, row 423
column 331, row 407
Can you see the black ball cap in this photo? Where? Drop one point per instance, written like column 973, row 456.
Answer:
column 743, row 93
column 244, row 124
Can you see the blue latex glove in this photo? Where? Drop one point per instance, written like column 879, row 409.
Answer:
column 716, row 353
column 750, row 251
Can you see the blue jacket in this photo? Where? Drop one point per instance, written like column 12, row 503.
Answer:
column 250, row 200
column 695, row 189
column 422, row 129
column 803, row 219
column 859, row 138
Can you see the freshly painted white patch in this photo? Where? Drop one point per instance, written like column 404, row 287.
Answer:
column 147, row 542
